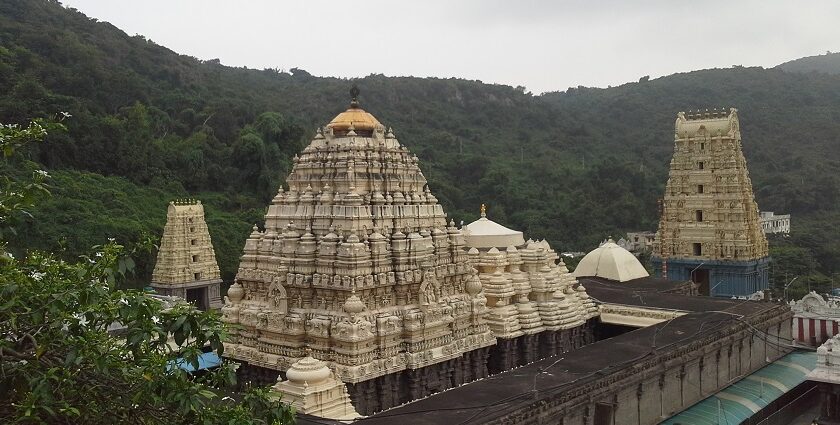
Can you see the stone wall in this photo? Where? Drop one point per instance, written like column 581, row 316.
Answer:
column 391, row 390
column 671, row 381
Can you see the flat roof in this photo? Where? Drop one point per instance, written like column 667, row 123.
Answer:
column 488, row 398
column 647, row 292
column 515, row 389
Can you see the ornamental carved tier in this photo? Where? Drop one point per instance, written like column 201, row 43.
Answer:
column 356, row 264
column 709, row 211
column 527, row 290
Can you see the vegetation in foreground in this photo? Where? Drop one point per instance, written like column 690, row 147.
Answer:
column 59, row 364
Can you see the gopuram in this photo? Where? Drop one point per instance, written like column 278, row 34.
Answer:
column 186, row 263
column 536, row 307
column 358, row 268
column 709, row 231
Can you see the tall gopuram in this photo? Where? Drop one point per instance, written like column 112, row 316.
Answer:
column 536, row 308
column 709, row 232
column 186, row 263
column 358, row 268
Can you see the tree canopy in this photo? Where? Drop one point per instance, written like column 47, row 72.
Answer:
column 61, row 359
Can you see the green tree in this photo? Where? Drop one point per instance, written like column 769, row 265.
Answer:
column 60, row 361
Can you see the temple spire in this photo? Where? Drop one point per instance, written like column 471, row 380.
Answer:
column 354, row 96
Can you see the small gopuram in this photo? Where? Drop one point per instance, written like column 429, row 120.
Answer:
column 358, row 267
column 186, row 263
column 535, row 308
column 709, row 231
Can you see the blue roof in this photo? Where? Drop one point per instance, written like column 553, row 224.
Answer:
column 205, row 361
column 739, row 401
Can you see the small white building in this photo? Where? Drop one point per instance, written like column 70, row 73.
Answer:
column 772, row 223
column 638, row 242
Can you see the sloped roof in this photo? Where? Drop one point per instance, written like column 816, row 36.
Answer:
column 486, row 233
column 612, row 262
column 739, row 401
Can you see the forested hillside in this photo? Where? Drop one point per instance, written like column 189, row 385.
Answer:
column 148, row 125
column 829, row 63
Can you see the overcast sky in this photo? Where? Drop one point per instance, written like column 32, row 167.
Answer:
column 542, row 45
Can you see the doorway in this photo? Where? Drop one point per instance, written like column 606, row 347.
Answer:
column 700, row 277
column 198, row 298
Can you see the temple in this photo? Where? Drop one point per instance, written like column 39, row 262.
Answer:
column 709, row 231
column 358, row 267
column 361, row 303
column 186, row 263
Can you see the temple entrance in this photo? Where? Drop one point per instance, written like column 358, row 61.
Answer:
column 700, row 277
column 198, row 298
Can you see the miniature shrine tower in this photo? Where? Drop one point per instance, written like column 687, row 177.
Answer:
column 536, row 307
column 709, row 231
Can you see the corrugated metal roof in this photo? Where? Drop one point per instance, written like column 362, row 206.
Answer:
column 741, row 400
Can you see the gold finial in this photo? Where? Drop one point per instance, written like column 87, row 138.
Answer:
column 483, row 210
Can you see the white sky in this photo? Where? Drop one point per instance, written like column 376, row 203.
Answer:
column 542, row 45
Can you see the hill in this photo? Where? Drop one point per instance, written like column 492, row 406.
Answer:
column 149, row 125
column 829, row 63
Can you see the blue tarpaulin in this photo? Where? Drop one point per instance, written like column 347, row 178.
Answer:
column 205, row 361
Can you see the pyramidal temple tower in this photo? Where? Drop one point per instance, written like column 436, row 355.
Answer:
column 358, row 268
column 186, row 263
column 709, row 231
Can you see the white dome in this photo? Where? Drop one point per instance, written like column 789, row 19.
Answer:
column 486, row 233
column 610, row 261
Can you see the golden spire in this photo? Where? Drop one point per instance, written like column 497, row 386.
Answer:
column 483, row 210
column 354, row 117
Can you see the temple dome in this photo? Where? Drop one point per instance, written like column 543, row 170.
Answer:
column 486, row 233
column 610, row 261
column 309, row 370
column 356, row 117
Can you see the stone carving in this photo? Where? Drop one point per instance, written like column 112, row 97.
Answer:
column 715, row 213
column 814, row 305
column 527, row 290
column 358, row 258
column 277, row 295
column 703, row 183
column 429, row 288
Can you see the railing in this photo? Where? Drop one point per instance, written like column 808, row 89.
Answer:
column 787, row 413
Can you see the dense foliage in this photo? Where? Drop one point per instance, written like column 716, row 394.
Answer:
column 75, row 349
column 573, row 167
